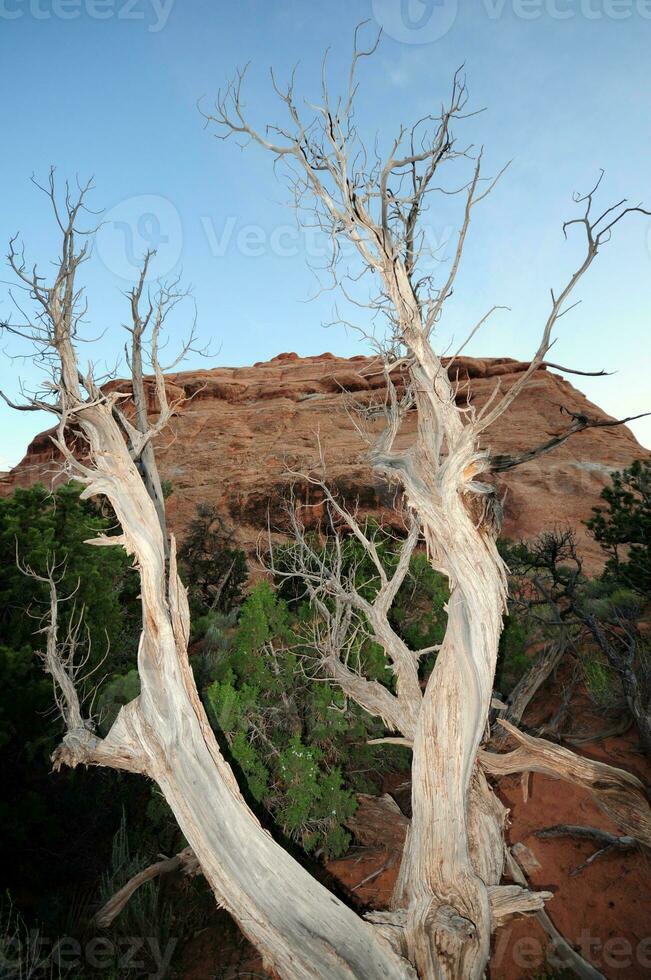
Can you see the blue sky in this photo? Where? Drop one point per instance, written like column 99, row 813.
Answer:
column 109, row 88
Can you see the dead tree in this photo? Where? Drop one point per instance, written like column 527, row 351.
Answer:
column 551, row 570
column 454, row 853
column 543, row 600
column 145, row 330
column 345, row 616
column 301, row 929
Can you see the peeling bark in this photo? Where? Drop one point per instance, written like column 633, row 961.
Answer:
column 299, row 927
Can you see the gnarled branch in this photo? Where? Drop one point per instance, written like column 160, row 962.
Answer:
column 619, row 793
column 504, row 461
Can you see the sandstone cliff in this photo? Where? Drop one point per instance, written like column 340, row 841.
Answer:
column 232, row 441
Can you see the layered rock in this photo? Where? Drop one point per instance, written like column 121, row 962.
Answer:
column 241, row 429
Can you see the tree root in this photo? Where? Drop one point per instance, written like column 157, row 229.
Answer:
column 606, row 841
column 619, row 793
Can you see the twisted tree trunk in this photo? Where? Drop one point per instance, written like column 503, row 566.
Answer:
column 447, row 866
column 301, row 929
column 454, row 849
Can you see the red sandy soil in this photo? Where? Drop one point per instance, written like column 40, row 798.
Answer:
column 603, row 910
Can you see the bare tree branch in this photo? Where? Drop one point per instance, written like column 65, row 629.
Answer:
column 64, row 663
column 607, row 842
column 504, row 462
column 597, row 233
column 329, row 575
column 184, row 861
column 619, row 793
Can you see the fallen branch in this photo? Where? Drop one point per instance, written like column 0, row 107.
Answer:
column 620, row 794
column 184, row 861
column 562, row 949
column 606, row 841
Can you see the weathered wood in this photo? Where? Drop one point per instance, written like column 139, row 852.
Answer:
column 312, row 937
column 184, row 861
column 379, row 821
column 506, row 901
column 302, row 931
column 619, row 793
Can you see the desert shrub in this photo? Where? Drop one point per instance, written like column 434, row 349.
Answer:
column 315, row 804
column 602, row 683
column 289, row 735
column 602, row 618
column 623, row 526
column 63, row 822
column 512, row 659
column 300, row 745
column 215, row 634
column 24, row 953
column 40, row 526
column 608, row 601
column 146, row 915
column 213, row 569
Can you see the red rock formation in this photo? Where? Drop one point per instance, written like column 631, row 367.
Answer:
column 231, row 443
